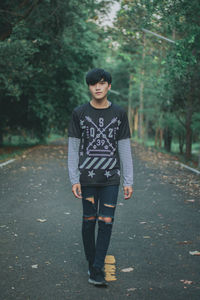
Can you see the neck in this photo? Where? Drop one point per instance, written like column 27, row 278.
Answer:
column 103, row 103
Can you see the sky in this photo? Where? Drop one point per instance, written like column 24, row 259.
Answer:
column 109, row 19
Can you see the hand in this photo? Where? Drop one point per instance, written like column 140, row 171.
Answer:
column 76, row 190
column 128, row 191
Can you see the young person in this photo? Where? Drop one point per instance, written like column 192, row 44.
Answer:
column 99, row 140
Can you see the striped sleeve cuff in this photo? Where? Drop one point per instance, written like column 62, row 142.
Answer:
column 73, row 159
column 124, row 149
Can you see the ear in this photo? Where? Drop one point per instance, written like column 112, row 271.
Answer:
column 109, row 86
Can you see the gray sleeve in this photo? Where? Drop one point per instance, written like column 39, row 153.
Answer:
column 73, row 159
column 124, row 149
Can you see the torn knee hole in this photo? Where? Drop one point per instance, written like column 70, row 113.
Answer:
column 90, row 199
column 106, row 219
column 89, row 218
column 109, row 205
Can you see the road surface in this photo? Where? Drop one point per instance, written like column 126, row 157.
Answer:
column 154, row 236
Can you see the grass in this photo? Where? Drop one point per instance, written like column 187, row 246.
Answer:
column 16, row 145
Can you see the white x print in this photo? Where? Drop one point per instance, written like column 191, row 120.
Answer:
column 101, row 133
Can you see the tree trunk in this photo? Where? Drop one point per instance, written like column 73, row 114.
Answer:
column 141, row 96
column 160, row 137
column 188, row 151
column 189, row 113
column 146, row 131
column 156, row 137
column 181, row 142
column 1, row 138
column 136, row 120
column 130, row 109
column 141, row 114
column 167, row 139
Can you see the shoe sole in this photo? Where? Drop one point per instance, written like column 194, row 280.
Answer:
column 102, row 283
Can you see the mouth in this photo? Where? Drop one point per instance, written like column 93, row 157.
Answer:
column 98, row 93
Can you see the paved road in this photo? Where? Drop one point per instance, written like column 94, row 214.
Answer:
column 41, row 250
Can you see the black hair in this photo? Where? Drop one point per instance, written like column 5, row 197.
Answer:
column 95, row 75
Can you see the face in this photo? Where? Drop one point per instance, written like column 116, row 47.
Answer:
column 99, row 90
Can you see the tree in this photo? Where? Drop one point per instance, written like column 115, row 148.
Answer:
column 165, row 75
column 45, row 50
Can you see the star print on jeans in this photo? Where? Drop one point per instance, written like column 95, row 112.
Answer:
column 107, row 174
column 91, row 173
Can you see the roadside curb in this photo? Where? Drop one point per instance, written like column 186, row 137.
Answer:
column 7, row 162
column 189, row 168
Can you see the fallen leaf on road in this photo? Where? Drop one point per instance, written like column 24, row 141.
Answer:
column 185, row 243
column 42, row 220
column 34, row 266
column 186, row 281
column 131, row 290
column 58, row 284
column 194, row 252
column 192, row 200
column 127, row 270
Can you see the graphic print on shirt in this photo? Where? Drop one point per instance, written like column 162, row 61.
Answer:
column 101, row 147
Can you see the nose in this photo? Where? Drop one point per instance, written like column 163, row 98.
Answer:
column 97, row 86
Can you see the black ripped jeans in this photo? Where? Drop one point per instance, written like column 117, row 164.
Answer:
column 98, row 203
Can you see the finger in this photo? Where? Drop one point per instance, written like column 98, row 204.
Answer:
column 79, row 192
column 126, row 193
column 75, row 193
column 129, row 194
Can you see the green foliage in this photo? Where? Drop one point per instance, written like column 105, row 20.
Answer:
column 46, row 48
column 165, row 75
